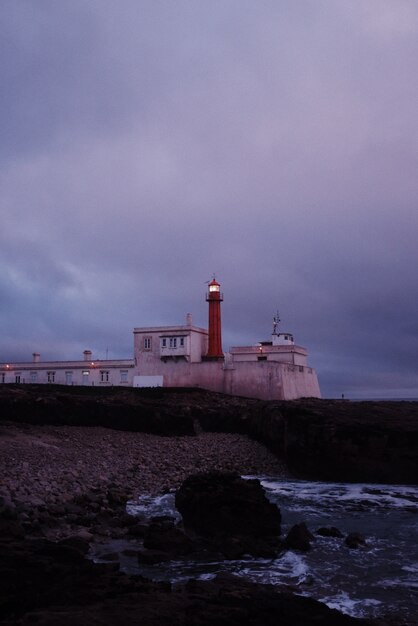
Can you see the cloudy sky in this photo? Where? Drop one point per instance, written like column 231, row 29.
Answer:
column 148, row 144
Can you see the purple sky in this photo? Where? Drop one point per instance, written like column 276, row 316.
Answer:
column 146, row 145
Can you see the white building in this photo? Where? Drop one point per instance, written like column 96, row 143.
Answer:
column 86, row 371
column 187, row 356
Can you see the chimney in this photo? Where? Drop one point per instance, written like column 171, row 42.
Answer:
column 36, row 357
column 87, row 355
column 189, row 320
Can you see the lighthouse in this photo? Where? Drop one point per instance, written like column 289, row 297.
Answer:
column 214, row 297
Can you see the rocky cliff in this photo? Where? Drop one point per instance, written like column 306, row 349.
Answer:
column 318, row 439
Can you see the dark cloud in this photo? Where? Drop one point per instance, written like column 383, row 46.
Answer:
column 149, row 144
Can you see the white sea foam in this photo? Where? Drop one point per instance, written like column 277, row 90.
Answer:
column 356, row 608
column 374, row 496
column 151, row 506
column 290, row 568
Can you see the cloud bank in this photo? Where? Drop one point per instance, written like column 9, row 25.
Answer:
column 147, row 145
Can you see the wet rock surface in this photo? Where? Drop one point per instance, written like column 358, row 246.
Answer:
column 329, row 531
column 50, row 584
column 232, row 515
column 299, row 537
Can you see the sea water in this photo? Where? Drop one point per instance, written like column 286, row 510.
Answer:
column 376, row 580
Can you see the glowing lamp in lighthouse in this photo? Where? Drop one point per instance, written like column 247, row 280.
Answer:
column 214, row 298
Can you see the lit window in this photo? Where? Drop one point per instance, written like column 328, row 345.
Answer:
column 147, row 343
column 124, row 376
column 33, row 377
column 104, row 376
column 51, row 377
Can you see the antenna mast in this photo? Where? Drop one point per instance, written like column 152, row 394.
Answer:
column 276, row 322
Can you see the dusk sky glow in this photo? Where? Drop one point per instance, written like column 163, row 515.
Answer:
column 148, row 144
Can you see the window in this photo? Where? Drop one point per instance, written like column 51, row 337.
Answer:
column 261, row 358
column 182, row 342
column 68, row 378
column 33, row 377
column 104, row 376
column 86, row 377
column 124, row 376
column 3, row 377
column 51, row 377
column 164, row 342
column 147, row 343
column 173, row 342
column 17, row 378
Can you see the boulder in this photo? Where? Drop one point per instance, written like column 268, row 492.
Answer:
column 299, row 538
column 355, row 540
column 163, row 535
column 233, row 515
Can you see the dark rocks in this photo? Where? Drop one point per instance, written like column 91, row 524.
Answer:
column 355, row 540
column 49, row 584
column 299, row 538
column 331, row 439
column 232, row 514
column 80, row 542
column 163, row 535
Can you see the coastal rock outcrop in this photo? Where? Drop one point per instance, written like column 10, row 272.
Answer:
column 355, row 540
column 233, row 515
column 299, row 537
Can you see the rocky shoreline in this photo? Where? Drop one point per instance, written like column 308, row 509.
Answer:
column 51, row 473
column 317, row 439
column 65, row 485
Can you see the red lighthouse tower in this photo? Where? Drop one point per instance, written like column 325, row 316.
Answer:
column 214, row 297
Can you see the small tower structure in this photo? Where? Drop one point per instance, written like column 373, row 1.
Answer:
column 214, row 297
